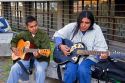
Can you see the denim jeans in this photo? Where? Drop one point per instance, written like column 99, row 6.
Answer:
column 80, row 72
column 17, row 73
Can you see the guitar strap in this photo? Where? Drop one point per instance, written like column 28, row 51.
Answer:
column 30, row 70
column 59, row 73
column 23, row 67
column 32, row 58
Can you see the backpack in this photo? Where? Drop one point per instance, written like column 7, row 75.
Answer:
column 4, row 25
column 110, row 70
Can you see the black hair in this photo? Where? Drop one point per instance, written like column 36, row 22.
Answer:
column 84, row 14
column 30, row 19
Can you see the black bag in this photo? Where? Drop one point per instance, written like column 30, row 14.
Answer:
column 109, row 70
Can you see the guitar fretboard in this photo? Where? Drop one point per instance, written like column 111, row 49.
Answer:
column 86, row 52
column 30, row 50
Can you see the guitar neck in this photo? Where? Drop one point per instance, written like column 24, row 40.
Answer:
column 86, row 52
column 31, row 50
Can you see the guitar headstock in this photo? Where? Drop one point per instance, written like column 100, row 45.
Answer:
column 116, row 52
column 44, row 52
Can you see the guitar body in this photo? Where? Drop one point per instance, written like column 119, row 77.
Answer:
column 25, row 48
column 60, row 58
column 21, row 45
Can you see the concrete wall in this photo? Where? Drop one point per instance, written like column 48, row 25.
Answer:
column 5, row 39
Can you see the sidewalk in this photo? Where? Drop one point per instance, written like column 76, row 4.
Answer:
column 5, row 39
column 52, row 75
column 5, row 65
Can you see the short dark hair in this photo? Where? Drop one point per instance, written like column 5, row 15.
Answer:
column 30, row 19
column 85, row 14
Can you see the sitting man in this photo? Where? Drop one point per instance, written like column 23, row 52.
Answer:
column 34, row 38
column 86, row 31
column 4, row 25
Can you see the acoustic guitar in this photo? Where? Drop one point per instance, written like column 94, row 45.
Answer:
column 24, row 47
column 77, row 50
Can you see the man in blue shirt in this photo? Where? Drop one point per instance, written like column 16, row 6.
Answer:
column 4, row 25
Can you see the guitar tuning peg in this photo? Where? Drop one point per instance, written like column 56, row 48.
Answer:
column 119, row 52
column 115, row 51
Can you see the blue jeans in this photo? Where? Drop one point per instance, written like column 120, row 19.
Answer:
column 81, row 72
column 17, row 73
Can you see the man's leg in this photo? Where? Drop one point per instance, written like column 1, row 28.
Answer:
column 40, row 69
column 84, row 71
column 16, row 73
column 70, row 72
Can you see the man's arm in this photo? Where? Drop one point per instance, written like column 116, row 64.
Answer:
column 16, row 38
column 58, row 41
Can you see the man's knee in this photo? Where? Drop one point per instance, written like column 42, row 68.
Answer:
column 83, row 70
column 15, row 68
column 40, row 71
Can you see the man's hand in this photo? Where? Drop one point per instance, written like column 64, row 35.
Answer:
column 65, row 49
column 15, row 51
column 36, row 54
column 104, row 56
